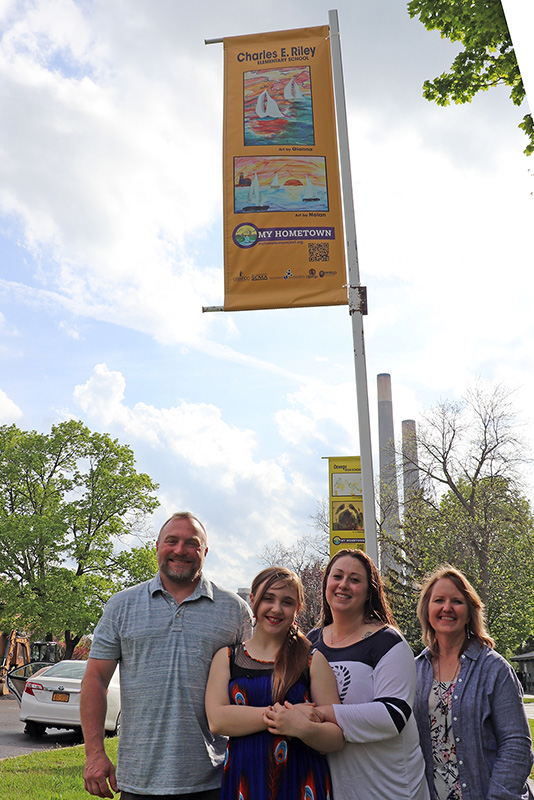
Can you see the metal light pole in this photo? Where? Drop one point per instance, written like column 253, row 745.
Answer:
column 357, row 295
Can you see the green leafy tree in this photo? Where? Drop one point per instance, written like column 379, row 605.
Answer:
column 136, row 565
column 487, row 58
column 412, row 556
column 471, row 513
column 67, row 498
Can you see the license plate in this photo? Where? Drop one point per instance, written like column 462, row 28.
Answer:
column 60, row 697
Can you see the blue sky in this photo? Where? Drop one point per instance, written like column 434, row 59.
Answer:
column 111, row 242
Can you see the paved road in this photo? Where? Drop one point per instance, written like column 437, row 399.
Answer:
column 13, row 740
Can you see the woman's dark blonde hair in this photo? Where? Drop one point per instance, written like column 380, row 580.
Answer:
column 377, row 608
column 476, row 626
column 292, row 657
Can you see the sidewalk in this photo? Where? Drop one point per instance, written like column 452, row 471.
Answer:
column 529, row 711
column 529, row 707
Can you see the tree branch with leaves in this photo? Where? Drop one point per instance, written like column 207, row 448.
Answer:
column 471, row 512
column 488, row 58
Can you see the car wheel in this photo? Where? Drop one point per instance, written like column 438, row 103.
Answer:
column 117, row 731
column 35, row 729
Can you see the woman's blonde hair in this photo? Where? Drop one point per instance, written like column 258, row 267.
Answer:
column 292, row 657
column 476, row 625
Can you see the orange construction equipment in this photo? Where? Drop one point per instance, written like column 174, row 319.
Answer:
column 17, row 654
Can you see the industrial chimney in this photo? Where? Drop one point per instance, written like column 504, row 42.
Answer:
column 410, row 471
column 389, row 496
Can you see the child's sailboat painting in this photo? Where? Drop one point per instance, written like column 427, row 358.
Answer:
column 278, row 107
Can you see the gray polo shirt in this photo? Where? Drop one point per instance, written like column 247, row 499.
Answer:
column 165, row 650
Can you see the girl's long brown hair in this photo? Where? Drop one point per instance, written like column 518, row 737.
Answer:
column 292, row 657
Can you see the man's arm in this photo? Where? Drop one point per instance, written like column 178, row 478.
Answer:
column 93, row 701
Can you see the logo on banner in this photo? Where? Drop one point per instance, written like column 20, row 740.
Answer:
column 248, row 235
column 245, row 235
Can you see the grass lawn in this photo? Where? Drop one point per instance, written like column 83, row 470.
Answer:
column 48, row 775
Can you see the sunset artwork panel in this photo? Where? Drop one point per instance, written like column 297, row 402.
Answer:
column 280, row 183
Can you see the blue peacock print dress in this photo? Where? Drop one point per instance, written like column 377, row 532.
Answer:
column 262, row 766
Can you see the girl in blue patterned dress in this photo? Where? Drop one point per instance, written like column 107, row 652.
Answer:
column 266, row 759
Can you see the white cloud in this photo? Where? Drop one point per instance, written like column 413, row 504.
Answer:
column 196, row 432
column 6, row 329
column 120, row 171
column 109, row 227
column 9, row 411
column 442, row 247
column 207, row 465
column 70, row 330
column 8, row 332
column 101, row 397
column 315, row 409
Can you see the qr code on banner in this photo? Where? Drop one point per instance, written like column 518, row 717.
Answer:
column 319, row 251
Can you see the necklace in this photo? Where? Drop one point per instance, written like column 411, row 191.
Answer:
column 442, row 692
column 334, row 642
column 456, row 671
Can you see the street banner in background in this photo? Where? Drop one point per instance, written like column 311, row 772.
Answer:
column 346, row 504
column 284, row 245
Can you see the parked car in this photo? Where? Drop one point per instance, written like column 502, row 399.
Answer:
column 51, row 698
column 16, row 679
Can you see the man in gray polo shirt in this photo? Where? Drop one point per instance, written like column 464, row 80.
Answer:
column 163, row 633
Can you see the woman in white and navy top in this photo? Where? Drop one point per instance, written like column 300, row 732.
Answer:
column 375, row 672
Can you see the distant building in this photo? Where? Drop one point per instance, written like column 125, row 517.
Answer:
column 244, row 594
column 525, row 663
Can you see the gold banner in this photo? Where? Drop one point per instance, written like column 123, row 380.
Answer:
column 346, row 503
column 284, row 245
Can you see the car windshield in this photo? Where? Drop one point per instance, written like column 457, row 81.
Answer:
column 67, row 669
